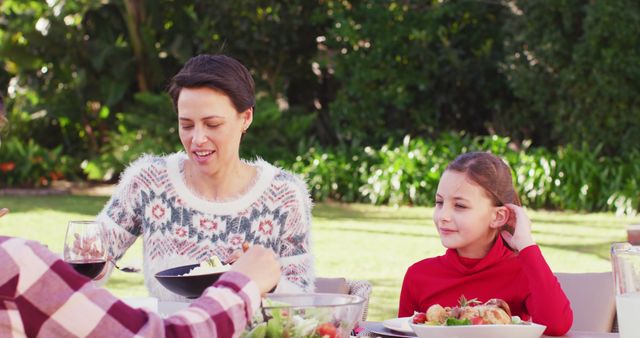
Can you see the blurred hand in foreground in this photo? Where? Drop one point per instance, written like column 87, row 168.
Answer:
column 4, row 211
column 259, row 264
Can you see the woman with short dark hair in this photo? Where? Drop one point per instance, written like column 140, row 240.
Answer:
column 205, row 201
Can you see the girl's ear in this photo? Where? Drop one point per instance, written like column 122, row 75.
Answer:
column 500, row 218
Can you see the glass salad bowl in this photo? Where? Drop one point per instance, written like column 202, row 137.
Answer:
column 311, row 315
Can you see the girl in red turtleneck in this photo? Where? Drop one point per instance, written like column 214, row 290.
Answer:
column 490, row 250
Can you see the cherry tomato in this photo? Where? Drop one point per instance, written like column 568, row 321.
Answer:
column 419, row 318
column 327, row 330
column 477, row 320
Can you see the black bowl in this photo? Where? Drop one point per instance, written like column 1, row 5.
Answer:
column 186, row 286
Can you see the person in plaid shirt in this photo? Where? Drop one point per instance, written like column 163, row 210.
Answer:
column 42, row 296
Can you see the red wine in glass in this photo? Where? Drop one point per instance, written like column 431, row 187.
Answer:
column 85, row 247
column 88, row 267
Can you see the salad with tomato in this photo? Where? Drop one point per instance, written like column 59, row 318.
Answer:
column 296, row 323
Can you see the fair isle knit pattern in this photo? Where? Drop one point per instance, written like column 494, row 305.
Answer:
column 180, row 228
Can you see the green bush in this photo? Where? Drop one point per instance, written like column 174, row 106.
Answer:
column 28, row 164
column 335, row 174
column 625, row 187
column 572, row 67
column 148, row 126
column 77, row 73
column 407, row 67
column 348, row 79
column 408, row 174
column 267, row 138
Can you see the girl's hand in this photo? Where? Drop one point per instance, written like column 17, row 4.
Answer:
column 519, row 220
column 3, row 211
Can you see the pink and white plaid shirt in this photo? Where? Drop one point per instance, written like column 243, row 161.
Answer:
column 42, row 296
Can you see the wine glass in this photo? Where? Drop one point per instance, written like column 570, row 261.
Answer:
column 85, row 247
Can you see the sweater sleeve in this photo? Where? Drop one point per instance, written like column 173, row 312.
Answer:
column 295, row 251
column 121, row 216
column 546, row 303
column 407, row 301
column 222, row 311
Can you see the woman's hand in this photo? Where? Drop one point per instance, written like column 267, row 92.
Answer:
column 521, row 224
column 4, row 211
column 261, row 266
column 236, row 254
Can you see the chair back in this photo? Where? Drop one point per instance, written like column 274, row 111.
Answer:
column 342, row 285
column 592, row 300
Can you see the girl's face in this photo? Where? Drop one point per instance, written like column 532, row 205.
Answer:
column 465, row 217
column 210, row 128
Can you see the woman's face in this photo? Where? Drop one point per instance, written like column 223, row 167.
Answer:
column 210, row 128
column 464, row 215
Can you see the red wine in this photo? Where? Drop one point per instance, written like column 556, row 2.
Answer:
column 88, row 267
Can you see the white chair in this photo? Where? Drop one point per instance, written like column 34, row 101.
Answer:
column 341, row 285
column 592, row 298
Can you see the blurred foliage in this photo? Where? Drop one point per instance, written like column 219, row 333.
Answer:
column 416, row 67
column 572, row 65
column 408, row 173
column 28, row 164
column 340, row 84
column 89, row 75
column 148, row 127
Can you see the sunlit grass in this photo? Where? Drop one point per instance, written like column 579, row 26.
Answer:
column 354, row 241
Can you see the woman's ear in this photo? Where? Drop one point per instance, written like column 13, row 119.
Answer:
column 247, row 117
column 500, row 218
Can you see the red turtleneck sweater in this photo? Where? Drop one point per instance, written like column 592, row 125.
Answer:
column 523, row 280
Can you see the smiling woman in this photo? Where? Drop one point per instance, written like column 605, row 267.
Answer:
column 206, row 200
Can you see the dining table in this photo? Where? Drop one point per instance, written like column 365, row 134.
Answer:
column 373, row 329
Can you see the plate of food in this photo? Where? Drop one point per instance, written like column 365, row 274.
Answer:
column 473, row 319
column 191, row 280
column 399, row 324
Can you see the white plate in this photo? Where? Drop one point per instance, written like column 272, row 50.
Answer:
column 479, row 331
column 398, row 324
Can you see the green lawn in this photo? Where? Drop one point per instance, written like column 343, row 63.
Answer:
column 356, row 241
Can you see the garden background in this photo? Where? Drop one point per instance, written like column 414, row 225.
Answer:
column 367, row 100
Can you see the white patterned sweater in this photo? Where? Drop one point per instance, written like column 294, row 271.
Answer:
column 180, row 228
